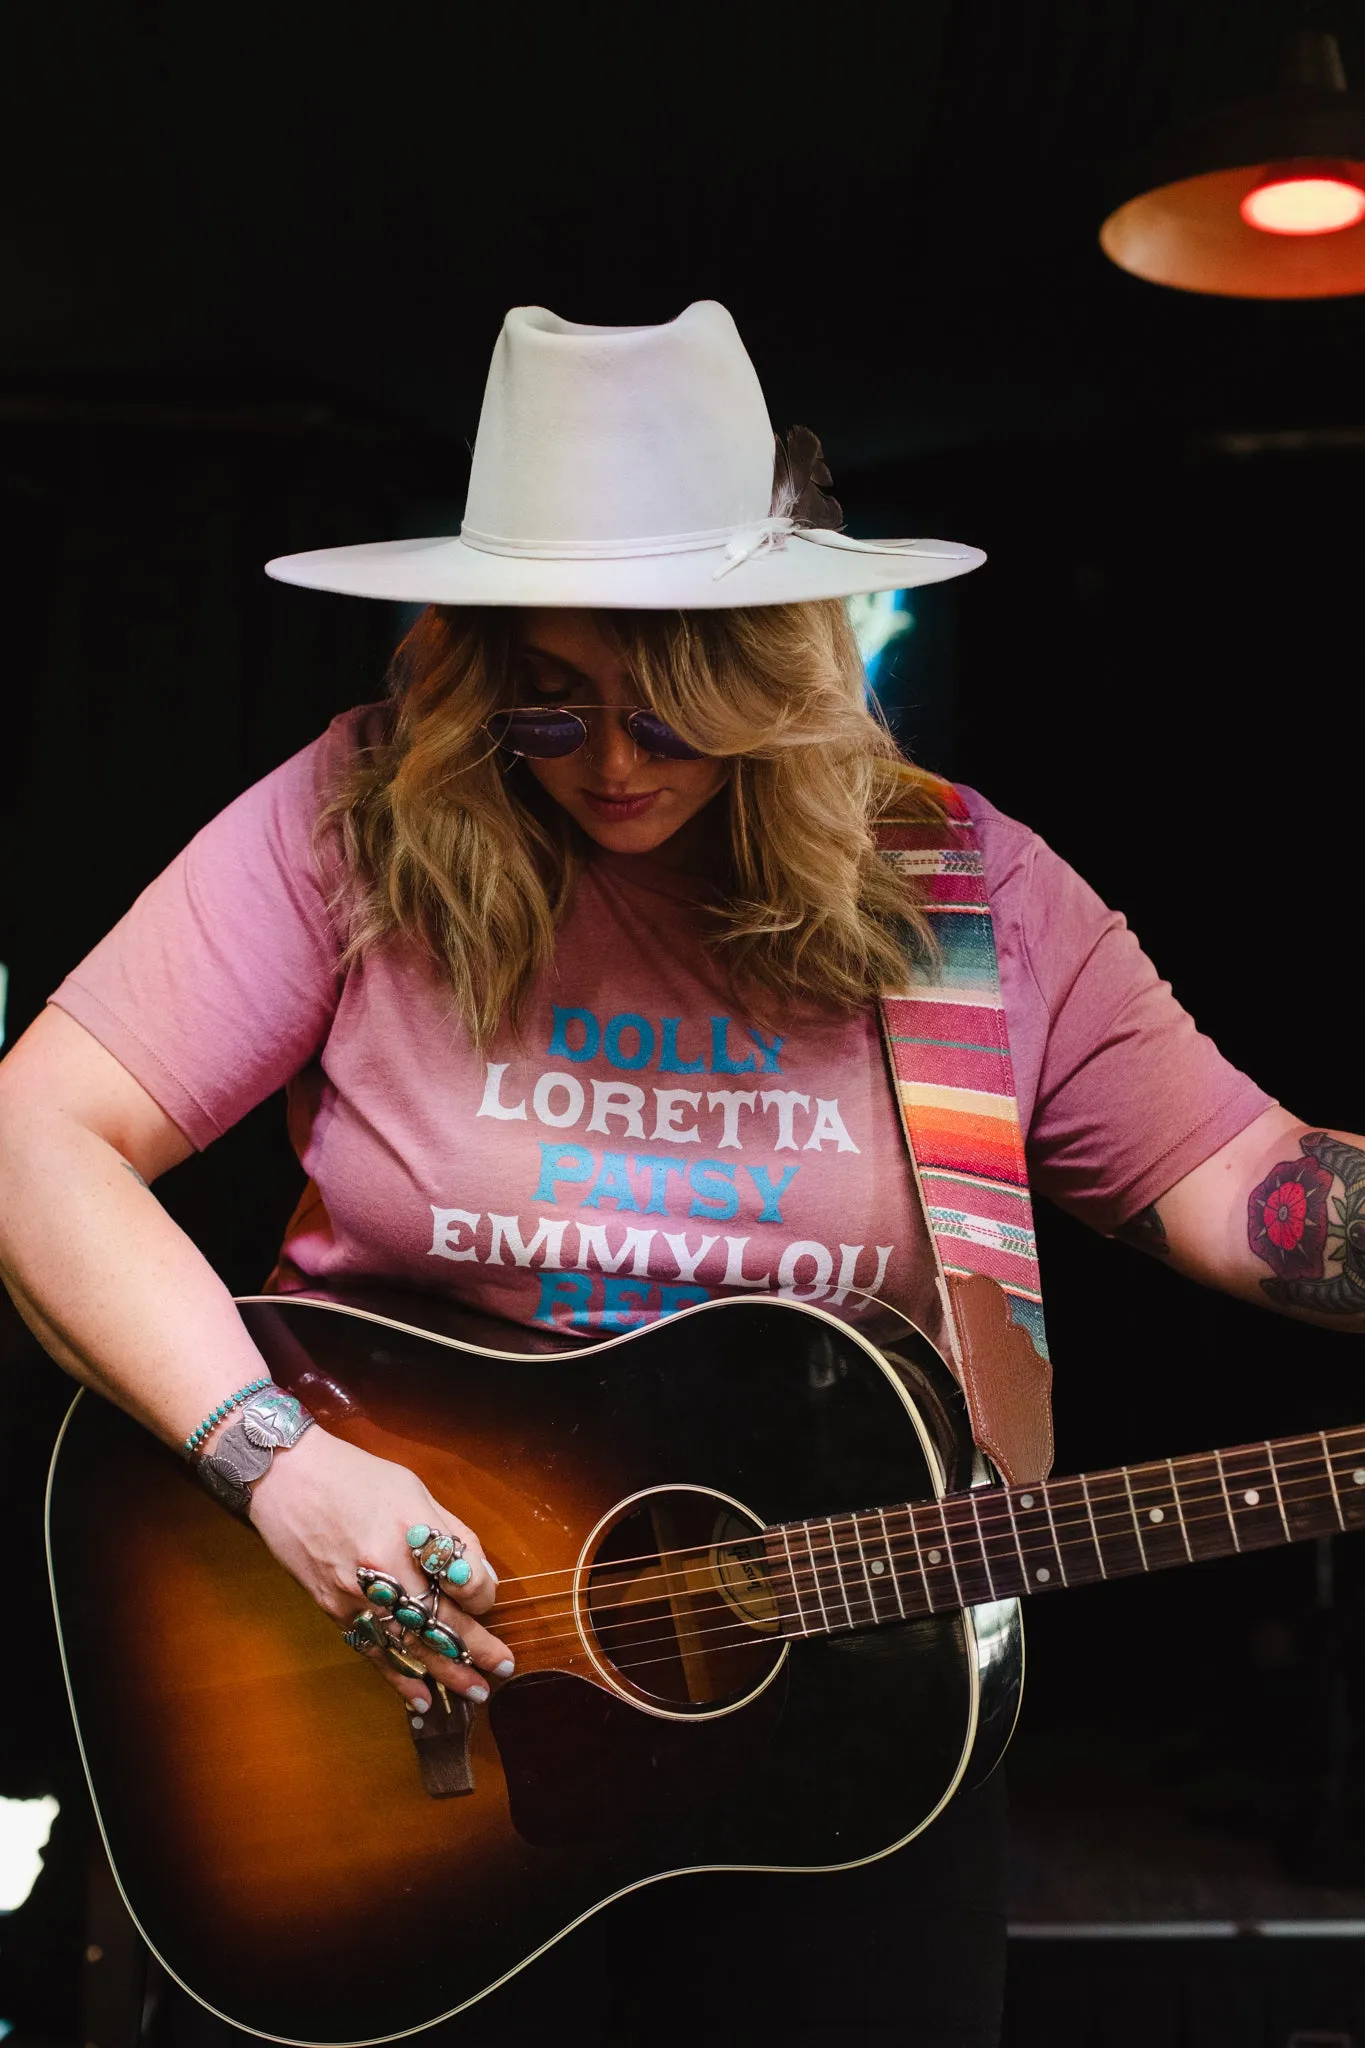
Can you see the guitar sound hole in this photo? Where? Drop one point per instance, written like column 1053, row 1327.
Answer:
column 679, row 1601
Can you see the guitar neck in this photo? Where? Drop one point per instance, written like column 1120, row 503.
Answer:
column 837, row 1572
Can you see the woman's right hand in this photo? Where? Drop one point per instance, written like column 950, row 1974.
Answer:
column 326, row 1507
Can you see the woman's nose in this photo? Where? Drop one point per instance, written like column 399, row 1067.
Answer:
column 610, row 746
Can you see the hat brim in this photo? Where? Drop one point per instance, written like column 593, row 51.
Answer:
column 447, row 571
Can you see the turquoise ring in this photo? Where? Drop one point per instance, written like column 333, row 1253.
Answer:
column 440, row 1556
column 381, row 1589
column 445, row 1642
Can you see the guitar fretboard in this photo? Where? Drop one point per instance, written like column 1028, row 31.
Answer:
column 858, row 1570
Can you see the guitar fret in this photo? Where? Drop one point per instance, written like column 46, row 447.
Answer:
column 1154, row 1497
column 1078, row 1553
column 1279, row 1496
column 1061, row 1561
column 891, row 1564
column 900, row 1562
column 935, row 1558
column 989, row 1543
column 1180, row 1511
column 1227, row 1500
column 1003, row 1559
column 1347, row 1463
column 981, row 1538
column 796, row 1590
column 815, row 1574
column 948, row 1546
column 862, row 1559
column 874, row 1612
column 1251, row 1490
column 1023, row 1568
column 970, row 1570
column 1201, row 1499
column 1137, row 1526
column 1306, row 1489
column 1099, row 1550
column 839, row 1569
column 1115, row 1523
column 913, row 1520
column 858, row 1575
column 1038, row 1537
column 1331, row 1478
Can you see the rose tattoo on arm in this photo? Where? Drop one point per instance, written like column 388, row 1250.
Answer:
column 1297, row 1225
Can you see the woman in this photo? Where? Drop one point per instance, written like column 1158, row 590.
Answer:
column 567, row 957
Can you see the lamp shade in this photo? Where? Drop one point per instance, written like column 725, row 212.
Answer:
column 1263, row 200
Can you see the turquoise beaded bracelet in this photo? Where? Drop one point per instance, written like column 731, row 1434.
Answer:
column 224, row 1408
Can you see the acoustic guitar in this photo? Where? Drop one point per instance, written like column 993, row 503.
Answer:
column 716, row 1538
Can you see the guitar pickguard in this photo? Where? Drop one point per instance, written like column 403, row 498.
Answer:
column 583, row 1767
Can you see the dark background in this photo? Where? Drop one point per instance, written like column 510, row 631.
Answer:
column 254, row 267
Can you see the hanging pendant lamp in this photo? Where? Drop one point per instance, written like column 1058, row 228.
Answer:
column 1263, row 200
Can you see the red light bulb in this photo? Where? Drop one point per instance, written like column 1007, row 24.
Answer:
column 1304, row 206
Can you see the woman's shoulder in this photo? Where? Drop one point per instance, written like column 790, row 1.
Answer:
column 349, row 735
column 270, row 827
column 1007, row 845
column 295, row 791
column 1045, row 913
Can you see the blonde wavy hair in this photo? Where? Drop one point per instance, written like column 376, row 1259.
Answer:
column 445, row 844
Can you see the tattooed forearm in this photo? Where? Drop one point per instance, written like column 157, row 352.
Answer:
column 1146, row 1232
column 1301, row 1227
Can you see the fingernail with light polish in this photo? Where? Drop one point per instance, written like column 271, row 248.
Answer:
column 505, row 1669
column 418, row 1704
column 477, row 1692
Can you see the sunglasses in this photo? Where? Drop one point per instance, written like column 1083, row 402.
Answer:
column 547, row 732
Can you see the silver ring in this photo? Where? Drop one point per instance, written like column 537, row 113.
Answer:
column 365, row 1633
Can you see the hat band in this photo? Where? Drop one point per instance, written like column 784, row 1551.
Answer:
column 739, row 542
column 599, row 551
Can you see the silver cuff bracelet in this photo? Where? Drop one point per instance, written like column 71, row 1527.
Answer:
column 241, row 1452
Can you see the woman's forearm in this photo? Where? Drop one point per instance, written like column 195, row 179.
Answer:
column 111, row 1287
column 125, row 1302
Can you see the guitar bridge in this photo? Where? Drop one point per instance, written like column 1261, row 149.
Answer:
column 441, row 1740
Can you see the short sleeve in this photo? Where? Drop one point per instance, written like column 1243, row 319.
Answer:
column 1120, row 1093
column 220, row 983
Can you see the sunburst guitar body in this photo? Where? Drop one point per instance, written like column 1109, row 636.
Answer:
column 272, row 1816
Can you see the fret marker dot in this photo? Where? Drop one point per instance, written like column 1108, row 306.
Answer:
column 1156, row 1514
column 1251, row 1497
column 1042, row 1575
column 935, row 1557
column 1026, row 1500
column 1359, row 1478
column 877, row 1565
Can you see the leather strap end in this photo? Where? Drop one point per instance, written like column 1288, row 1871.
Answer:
column 1006, row 1382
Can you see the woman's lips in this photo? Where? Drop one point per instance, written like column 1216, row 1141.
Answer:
column 619, row 808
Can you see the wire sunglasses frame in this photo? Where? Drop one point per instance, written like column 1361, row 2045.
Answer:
column 549, row 732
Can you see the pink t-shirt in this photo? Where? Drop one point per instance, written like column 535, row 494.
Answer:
column 641, row 1145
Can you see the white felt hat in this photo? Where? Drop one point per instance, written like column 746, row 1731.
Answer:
column 631, row 467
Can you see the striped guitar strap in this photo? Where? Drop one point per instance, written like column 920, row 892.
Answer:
column 949, row 1056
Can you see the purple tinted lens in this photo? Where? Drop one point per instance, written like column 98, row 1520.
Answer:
column 540, row 735
column 650, row 732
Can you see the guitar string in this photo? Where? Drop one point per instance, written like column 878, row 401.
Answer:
column 747, row 1637
column 806, row 1581
column 983, row 1497
column 963, row 1544
column 982, row 1494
